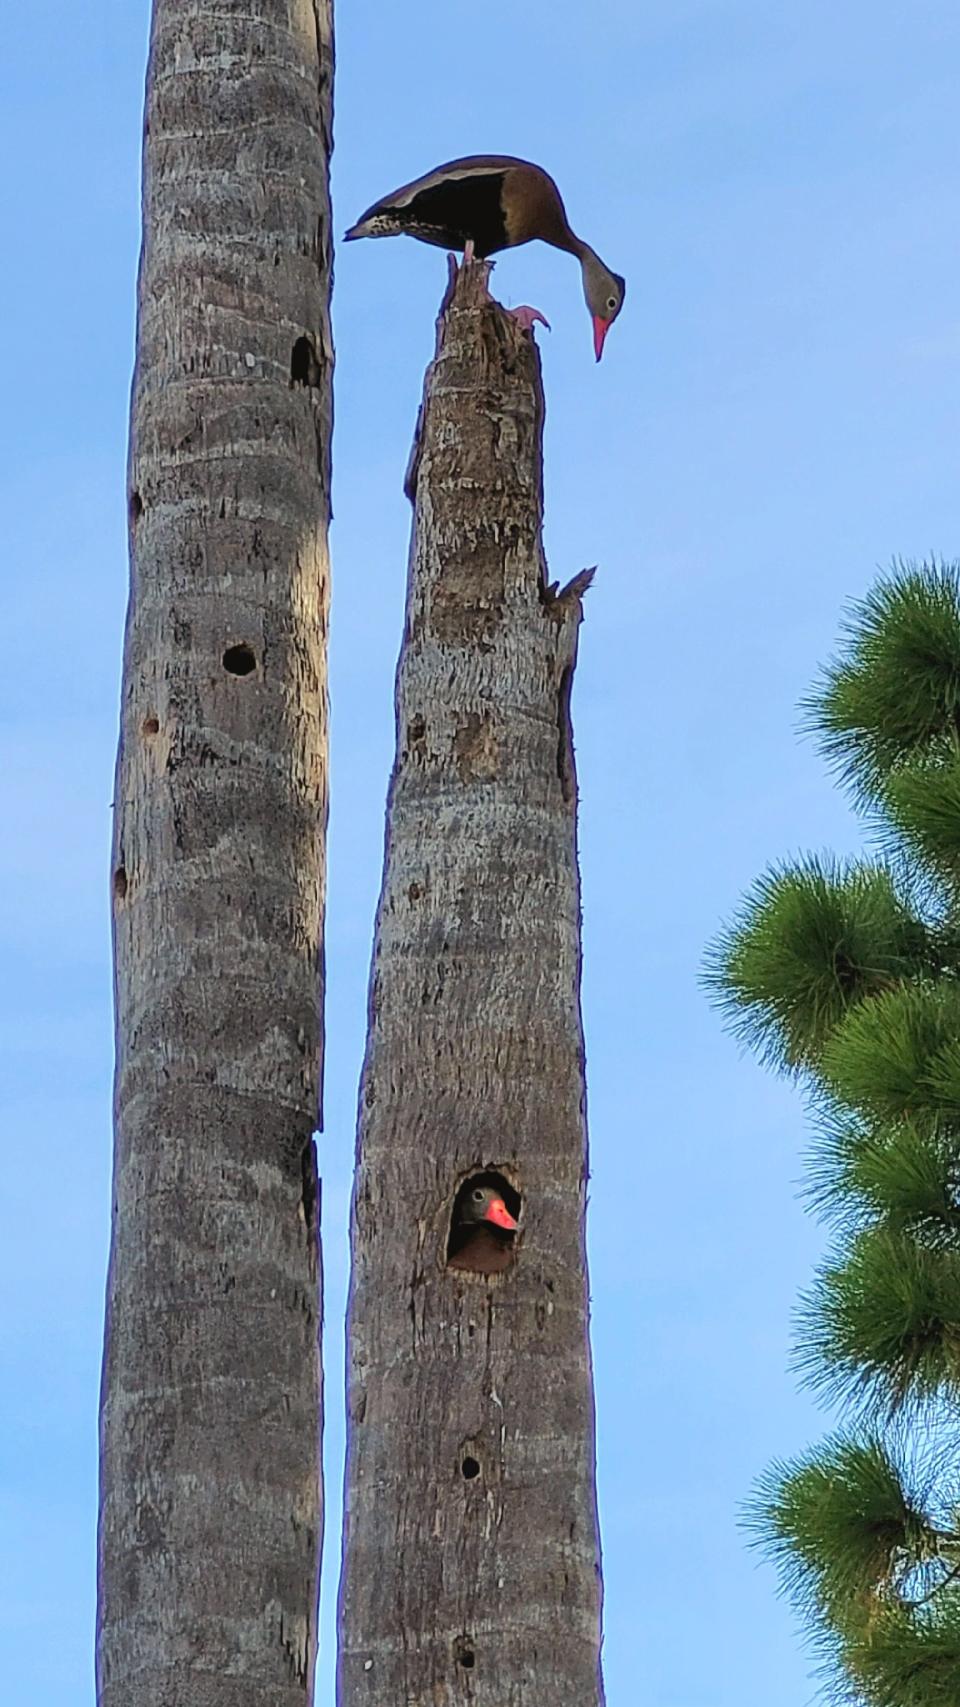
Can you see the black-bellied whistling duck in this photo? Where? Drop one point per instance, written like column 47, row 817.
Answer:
column 488, row 202
column 484, row 1233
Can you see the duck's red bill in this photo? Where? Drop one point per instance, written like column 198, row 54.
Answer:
column 500, row 1215
column 600, row 330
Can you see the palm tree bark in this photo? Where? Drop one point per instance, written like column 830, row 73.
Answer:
column 210, row 1512
column 471, row 1553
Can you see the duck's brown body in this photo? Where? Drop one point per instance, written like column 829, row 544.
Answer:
column 488, row 202
column 485, row 1252
column 494, row 200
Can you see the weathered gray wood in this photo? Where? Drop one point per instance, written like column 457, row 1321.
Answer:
column 471, row 1555
column 210, row 1493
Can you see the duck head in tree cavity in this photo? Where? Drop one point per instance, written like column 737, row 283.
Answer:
column 484, row 1203
column 484, row 1229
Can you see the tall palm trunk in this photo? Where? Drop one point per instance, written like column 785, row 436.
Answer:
column 471, row 1564
column 210, row 1494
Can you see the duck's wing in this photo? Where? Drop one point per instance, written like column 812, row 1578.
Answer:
column 460, row 200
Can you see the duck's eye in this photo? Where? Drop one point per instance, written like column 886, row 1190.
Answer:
column 477, row 1195
column 611, row 303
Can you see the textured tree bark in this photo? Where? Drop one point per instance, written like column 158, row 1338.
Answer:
column 471, row 1553
column 210, row 1493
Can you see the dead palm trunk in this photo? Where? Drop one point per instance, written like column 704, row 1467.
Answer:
column 471, row 1557
column 210, row 1496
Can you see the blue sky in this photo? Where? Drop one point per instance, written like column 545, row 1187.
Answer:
column 776, row 414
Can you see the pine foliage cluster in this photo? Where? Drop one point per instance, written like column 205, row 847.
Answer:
column 848, row 976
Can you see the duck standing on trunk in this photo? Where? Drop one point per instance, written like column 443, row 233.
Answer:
column 488, row 202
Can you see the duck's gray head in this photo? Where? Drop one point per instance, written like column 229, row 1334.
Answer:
column 604, row 292
column 484, row 1203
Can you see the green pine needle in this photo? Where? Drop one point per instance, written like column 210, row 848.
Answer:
column 841, row 1525
column 910, row 1659
column 899, row 1053
column 905, row 1172
column 922, row 803
column 811, row 942
column 829, row 968
column 883, row 1325
column 893, row 695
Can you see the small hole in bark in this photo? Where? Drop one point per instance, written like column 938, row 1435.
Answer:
column 416, row 730
column 120, row 884
column 304, row 367
column 470, row 1469
column 136, row 508
column 414, row 892
column 239, row 660
column 482, row 1237
column 465, row 1655
column 150, row 725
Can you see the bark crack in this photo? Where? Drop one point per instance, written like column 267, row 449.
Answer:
column 566, row 767
column 310, row 1201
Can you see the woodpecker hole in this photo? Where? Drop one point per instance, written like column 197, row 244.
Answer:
column 239, row 660
column 470, row 1469
column 136, row 508
column 150, row 725
column 120, row 884
column 304, row 367
column 465, row 1654
column 480, row 1245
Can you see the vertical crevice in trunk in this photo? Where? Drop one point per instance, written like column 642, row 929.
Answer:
column 471, row 1565
column 210, row 1511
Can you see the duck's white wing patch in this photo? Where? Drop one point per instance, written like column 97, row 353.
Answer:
column 478, row 166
